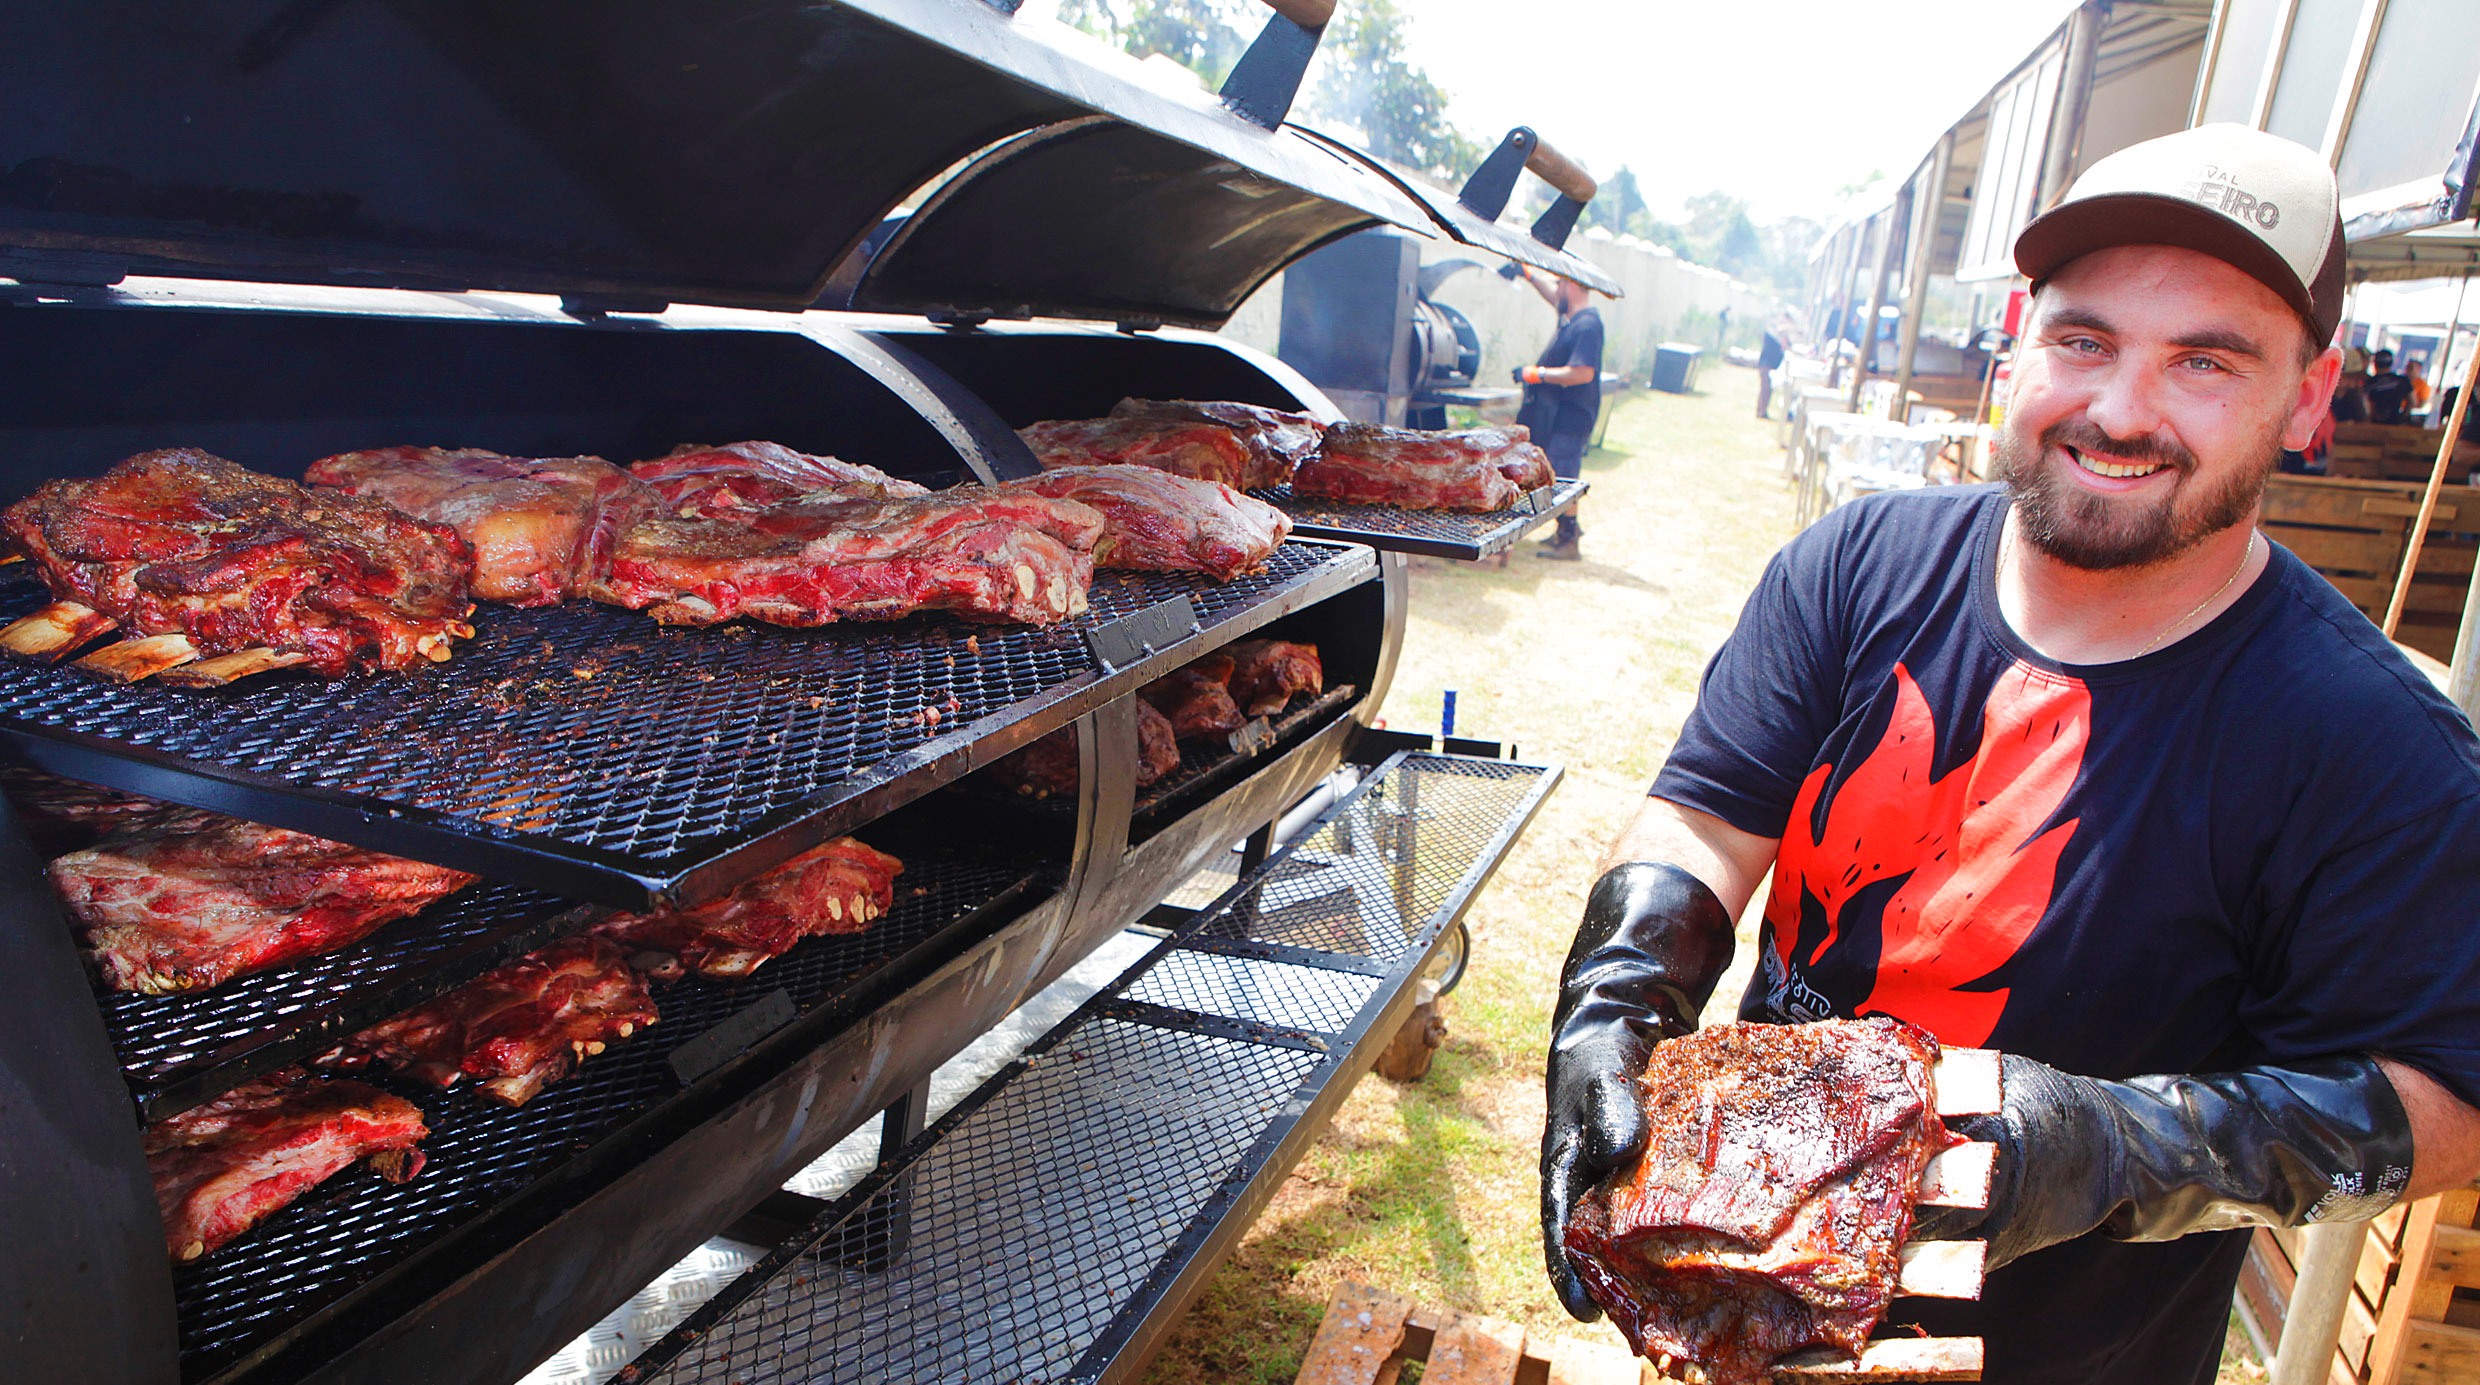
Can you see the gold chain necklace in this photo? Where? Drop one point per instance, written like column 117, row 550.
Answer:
column 2216, row 596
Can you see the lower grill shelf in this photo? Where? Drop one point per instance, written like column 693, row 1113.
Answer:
column 487, row 1162
column 1435, row 533
column 1062, row 1215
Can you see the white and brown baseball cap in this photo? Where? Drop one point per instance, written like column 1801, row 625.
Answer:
column 2261, row 203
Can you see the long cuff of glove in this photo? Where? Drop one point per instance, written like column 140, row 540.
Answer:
column 2155, row 1158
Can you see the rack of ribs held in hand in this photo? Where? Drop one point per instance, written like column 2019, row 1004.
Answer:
column 182, row 899
column 515, row 1030
column 1475, row 469
column 841, row 887
column 1770, row 1209
column 1158, row 521
column 204, row 558
column 223, row 1167
column 1243, row 446
column 541, row 528
column 1049, row 765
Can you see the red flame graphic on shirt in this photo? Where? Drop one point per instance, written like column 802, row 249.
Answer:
column 1980, row 877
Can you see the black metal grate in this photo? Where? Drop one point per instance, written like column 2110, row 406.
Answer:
column 1208, row 766
column 1057, row 1208
column 1027, row 1232
column 354, row 1227
column 1260, row 992
column 180, row 1050
column 1438, row 533
column 588, row 751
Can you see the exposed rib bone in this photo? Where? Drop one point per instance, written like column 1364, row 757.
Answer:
column 132, row 660
column 1959, row 1177
column 56, row 631
column 231, row 668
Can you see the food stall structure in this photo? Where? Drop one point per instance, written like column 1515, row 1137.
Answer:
column 279, row 230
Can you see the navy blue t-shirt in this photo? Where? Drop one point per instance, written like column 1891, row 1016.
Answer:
column 1558, row 411
column 2261, row 843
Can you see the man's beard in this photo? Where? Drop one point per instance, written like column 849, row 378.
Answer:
column 2098, row 533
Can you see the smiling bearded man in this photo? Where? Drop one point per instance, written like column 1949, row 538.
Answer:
column 2085, row 769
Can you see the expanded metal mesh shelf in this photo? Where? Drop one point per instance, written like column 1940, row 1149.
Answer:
column 482, row 1157
column 180, row 1050
column 587, row 751
column 1055, row 1212
column 1436, row 533
column 1208, row 766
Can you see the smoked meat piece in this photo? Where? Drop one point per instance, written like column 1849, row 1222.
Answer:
column 841, row 887
column 1048, row 766
column 1243, row 446
column 1197, row 699
column 1160, row 522
column 1775, row 1191
column 184, row 899
column 515, row 1030
column 221, row 1168
column 541, row 528
column 697, row 480
column 182, row 542
column 1476, row 469
column 1267, row 674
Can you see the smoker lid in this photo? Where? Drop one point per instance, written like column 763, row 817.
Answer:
column 616, row 151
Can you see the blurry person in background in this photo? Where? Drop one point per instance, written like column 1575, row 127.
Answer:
column 2417, row 373
column 2388, row 394
column 1563, row 393
column 2350, row 401
column 1769, row 359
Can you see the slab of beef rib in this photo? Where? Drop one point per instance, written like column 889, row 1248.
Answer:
column 1161, row 522
column 1475, row 469
column 515, row 1030
column 221, row 1168
column 1267, row 674
column 991, row 553
column 1197, row 699
column 183, row 900
column 1243, row 446
column 62, row 814
column 182, row 542
column 1049, row 765
column 700, row 480
column 540, row 527
column 1774, row 1194
column 841, row 887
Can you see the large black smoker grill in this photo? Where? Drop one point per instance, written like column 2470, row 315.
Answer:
column 277, row 230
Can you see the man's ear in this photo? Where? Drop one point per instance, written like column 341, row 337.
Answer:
column 2314, row 399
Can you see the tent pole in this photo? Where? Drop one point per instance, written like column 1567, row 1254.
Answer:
column 1867, row 358
column 2428, row 506
column 1916, row 276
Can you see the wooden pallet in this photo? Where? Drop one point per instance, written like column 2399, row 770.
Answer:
column 2413, row 1313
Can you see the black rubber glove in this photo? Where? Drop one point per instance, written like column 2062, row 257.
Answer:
column 1653, row 943
column 2154, row 1158
column 1509, row 270
column 1516, row 375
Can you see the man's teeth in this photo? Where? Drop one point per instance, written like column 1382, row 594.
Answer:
column 2121, row 470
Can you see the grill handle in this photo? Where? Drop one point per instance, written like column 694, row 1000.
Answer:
column 1560, row 171
column 1311, row 15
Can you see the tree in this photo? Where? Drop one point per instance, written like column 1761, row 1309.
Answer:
column 1204, row 36
column 1363, row 79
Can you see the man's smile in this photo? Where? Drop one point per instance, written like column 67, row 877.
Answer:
column 2098, row 464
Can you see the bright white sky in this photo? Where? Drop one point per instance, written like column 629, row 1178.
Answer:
column 1777, row 101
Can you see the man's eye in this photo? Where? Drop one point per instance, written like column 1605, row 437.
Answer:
column 2082, row 346
column 2201, row 365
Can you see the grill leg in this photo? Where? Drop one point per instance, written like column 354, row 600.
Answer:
column 875, row 1238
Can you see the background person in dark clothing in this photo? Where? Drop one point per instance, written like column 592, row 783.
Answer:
column 2388, row 394
column 1769, row 359
column 1563, row 393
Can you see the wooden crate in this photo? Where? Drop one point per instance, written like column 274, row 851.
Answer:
column 2395, row 452
column 1369, row 1335
column 2397, row 1328
column 2355, row 531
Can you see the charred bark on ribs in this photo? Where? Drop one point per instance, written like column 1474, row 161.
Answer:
column 1197, row 699
column 987, row 553
column 1049, row 765
column 1157, row 521
column 181, row 542
column 1267, row 674
column 701, row 481
column 515, row 1030
column 1476, row 470
column 841, row 887
column 1775, row 1191
column 221, row 1168
column 183, row 900
column 1243, row 446
column 540, row 528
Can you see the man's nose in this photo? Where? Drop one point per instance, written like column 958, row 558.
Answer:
column 2125, row 402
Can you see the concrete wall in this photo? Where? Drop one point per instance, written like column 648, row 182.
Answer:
column 1667, row 299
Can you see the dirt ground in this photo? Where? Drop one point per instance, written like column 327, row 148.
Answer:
column 1430, row 1189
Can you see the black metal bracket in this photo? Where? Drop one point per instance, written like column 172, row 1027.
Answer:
column 875, row 1239
column 597, row 307
column 735, row 1036
column 1262, row 84
column 1118, row 643
column 1553, row 226
column 1486, row 192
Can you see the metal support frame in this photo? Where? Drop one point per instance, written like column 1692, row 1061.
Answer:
column 876, row 1238
column 1861, row 364
column 2066, row 115
column 1925, row 219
